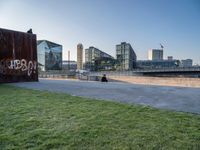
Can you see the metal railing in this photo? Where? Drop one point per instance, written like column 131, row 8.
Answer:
column 141, row 71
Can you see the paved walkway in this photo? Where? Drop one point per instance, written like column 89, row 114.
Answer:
column 174, row 98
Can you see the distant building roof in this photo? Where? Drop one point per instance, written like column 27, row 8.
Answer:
column 103, row 54
column 49, row 43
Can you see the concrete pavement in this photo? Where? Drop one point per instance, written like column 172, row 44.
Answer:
column 173, row 98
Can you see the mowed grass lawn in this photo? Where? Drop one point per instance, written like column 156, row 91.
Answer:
column 31, row 119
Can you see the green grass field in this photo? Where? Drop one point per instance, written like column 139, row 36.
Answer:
column 31, row 119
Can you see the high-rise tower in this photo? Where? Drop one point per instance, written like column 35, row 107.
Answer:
column 126, row 56
column 155, row 54
column 79, row 56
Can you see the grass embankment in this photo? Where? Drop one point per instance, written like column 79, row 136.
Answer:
column 32, row 119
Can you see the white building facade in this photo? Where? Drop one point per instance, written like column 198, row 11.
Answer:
column 155, row 54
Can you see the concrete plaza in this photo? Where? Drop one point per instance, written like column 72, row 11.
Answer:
column 165, row 97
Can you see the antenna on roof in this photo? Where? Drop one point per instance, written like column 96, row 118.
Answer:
column 161, row 46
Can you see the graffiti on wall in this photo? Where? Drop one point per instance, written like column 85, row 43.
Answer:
column 9, row 66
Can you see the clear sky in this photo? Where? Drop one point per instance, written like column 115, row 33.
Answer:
column 104, row 23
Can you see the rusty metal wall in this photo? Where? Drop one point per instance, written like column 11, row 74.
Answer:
column 18, row 56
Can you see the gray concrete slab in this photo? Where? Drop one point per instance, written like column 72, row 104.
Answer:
column 173, row 98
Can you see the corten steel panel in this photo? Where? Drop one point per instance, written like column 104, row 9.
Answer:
column 18, row 56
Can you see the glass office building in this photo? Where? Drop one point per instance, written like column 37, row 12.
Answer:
column 91, row 55
column 126, row 57
column 148, row 64
column 186, row 63
column 49, row 55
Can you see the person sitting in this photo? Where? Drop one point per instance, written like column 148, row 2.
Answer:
column 104, row 79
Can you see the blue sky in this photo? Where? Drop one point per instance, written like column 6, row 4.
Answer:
column 105, row 23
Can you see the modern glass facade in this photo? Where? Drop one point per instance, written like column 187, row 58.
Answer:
column 186, row 63
column 91, row 55
column 126, row 57
column 148, row 64
column 69, row 65
column 104, row 64
column 49, row 55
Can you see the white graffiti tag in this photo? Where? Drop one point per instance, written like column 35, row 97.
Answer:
column 17, row 64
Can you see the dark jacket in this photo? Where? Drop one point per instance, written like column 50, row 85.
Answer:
column 103, row 79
